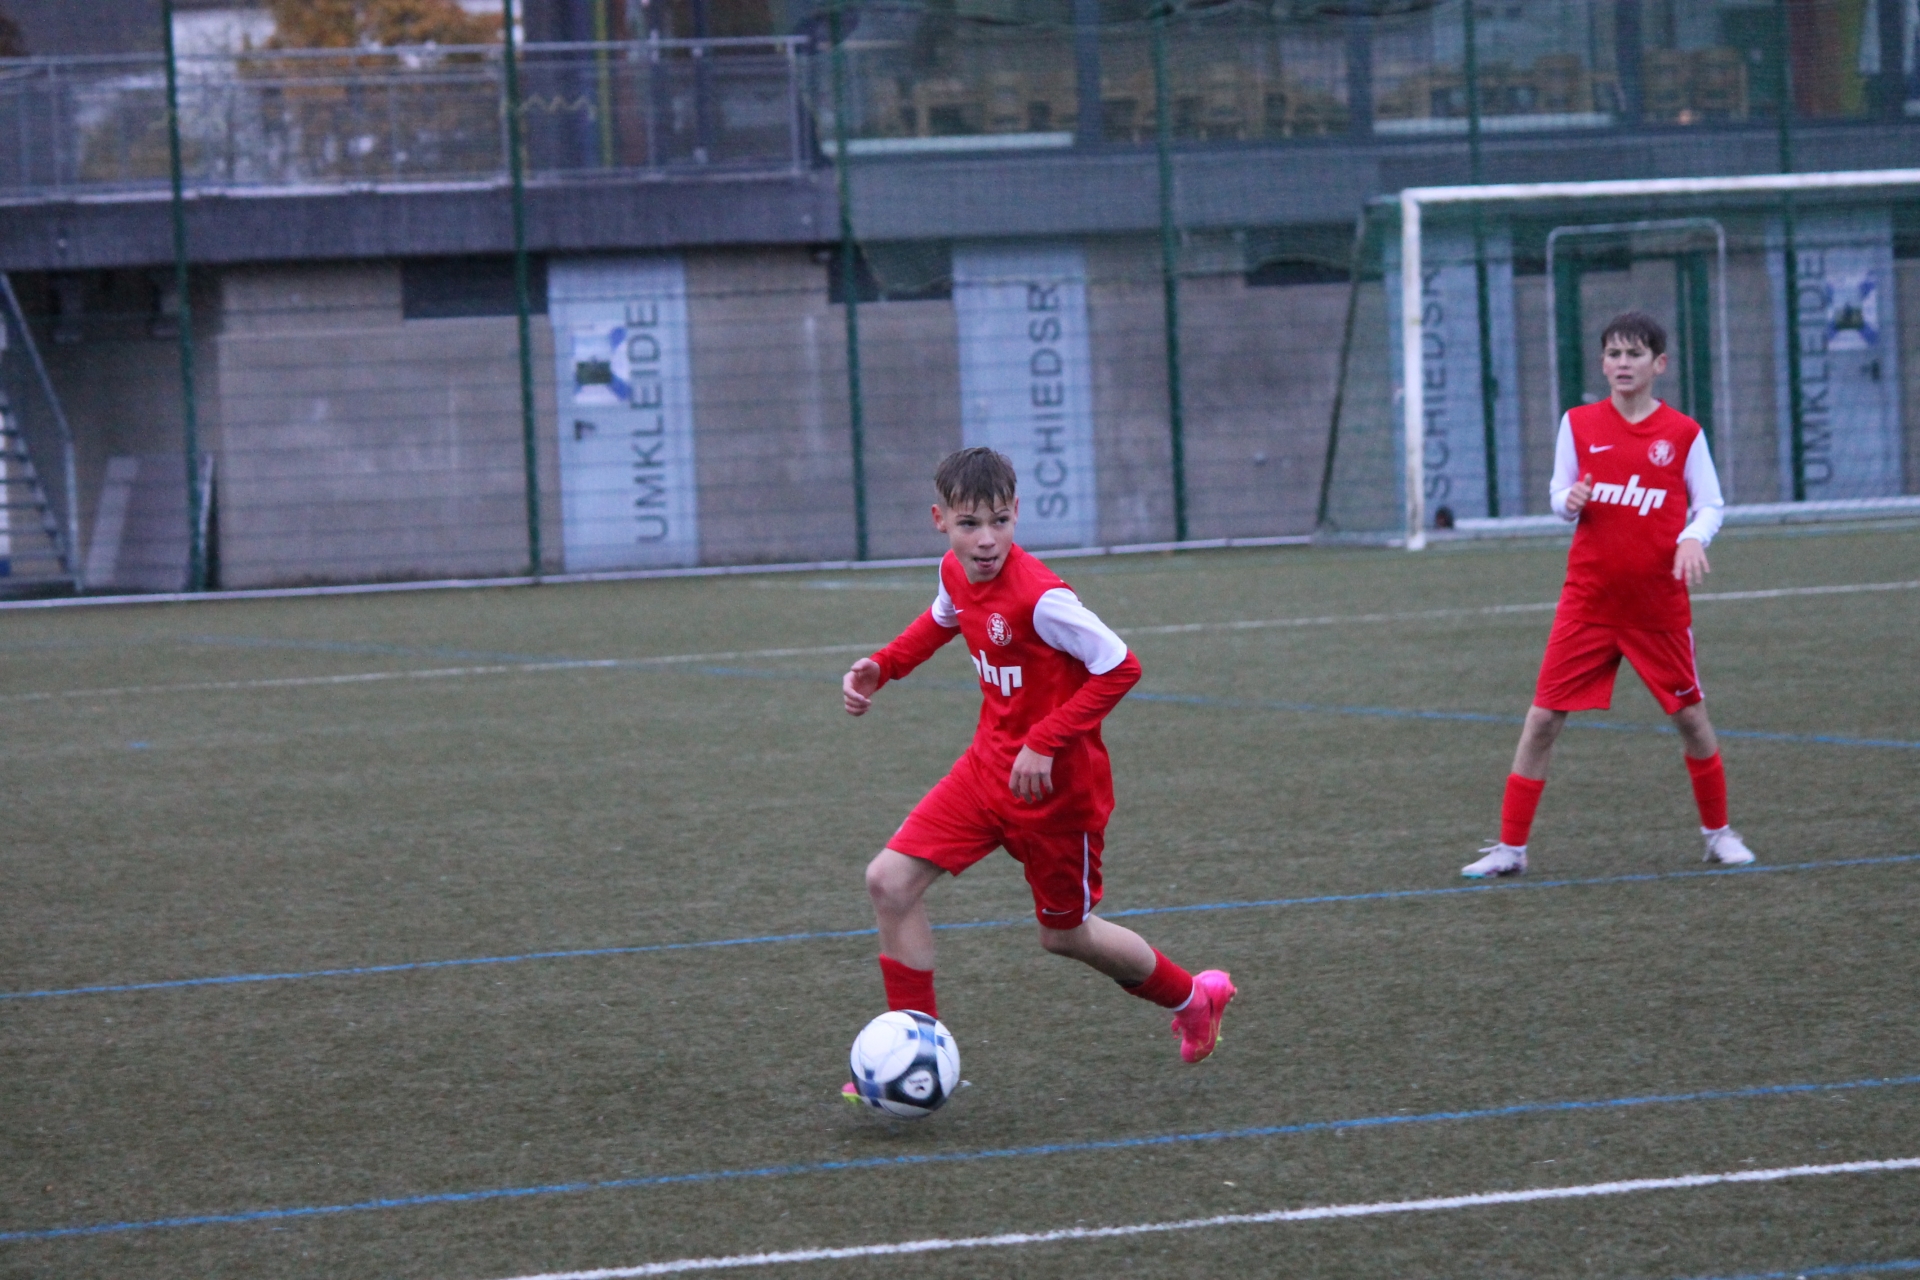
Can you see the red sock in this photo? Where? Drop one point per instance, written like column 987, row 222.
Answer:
column 1168, row 986
column 908, row 987
column 1709, row 790
column 1516, row 810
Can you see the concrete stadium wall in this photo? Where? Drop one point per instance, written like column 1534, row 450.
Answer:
column 1258, row 376
column 1259, row 367
column 773, row 439
column 910, row 371
column 356, row 445
column 775, row 474
column 1133, row 457
column 1539, row 424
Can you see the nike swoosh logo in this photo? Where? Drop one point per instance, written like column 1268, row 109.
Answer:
column 1681, row 693
column 1598, row 448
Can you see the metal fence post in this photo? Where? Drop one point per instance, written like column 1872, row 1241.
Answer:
column 1790, row 258
column 1355, row 261
column 522, row 304
column 1489, row 385
column 1089, row 129
column 849, row 277
column 1169, row 268
column 603, row 82
column 189, row 404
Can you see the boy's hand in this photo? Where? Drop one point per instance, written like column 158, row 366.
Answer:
column 1578, row 495
column 1690, row 562
column 1032, row 776
column 858, row 685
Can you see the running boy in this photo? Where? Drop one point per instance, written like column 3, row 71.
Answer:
column 1620, row 470
column 1036, row 778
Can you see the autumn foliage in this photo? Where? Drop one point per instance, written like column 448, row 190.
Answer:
column 362, row 24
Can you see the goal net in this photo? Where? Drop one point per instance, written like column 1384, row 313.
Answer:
column 1792, row 304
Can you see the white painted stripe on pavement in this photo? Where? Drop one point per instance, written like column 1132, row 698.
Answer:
column 1312, row 1213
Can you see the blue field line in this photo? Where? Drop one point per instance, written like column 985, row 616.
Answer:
column 1379, row 895
column 958, row 1157
column 242, row 979
column 1840, row 1269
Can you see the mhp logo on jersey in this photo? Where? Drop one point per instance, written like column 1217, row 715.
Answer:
column 1006, row 679
column 1629, row 494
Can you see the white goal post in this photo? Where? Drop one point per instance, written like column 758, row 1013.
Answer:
column 1413, row 199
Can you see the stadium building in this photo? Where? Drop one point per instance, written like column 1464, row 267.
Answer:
column 780, row 258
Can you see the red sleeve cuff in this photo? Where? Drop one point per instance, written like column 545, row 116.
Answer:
column 920, row 641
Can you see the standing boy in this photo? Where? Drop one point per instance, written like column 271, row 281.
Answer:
column 1631, row 471
column 1036, row 778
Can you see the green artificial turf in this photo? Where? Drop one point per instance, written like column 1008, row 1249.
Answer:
column 205, row 790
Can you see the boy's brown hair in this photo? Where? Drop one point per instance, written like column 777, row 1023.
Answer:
column 1636, row 326
column 976, row 477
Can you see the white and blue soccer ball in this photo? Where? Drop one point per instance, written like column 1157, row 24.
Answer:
column 905, row 1064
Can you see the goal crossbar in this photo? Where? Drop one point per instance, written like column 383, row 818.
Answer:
column 1413, row 199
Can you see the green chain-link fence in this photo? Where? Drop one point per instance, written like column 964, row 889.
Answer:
column 1139, row 312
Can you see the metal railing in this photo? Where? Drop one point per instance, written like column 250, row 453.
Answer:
column 919, row 78
column 326, row 117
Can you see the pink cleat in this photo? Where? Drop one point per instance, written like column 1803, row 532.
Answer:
column 1198, row 1025
column 849, row 1092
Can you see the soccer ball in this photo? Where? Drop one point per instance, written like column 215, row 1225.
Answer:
column 905, row 1064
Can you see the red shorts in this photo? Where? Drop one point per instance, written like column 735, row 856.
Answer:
column 955, row 825
column 1576, row 674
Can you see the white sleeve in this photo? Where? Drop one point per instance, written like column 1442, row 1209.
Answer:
column 942, row 607
column 1566, row 469
column 1705, row 507
column 1071, row 627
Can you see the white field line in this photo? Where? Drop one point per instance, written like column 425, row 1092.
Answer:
column 436, row 673
column 680, row 659
column 288, row 682
column 1538, row 606
column 1313, row 1213
column 1336, row 619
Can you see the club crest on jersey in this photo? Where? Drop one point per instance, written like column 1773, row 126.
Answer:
column 999, row 630
column 1629, row 494
column 1660, row 452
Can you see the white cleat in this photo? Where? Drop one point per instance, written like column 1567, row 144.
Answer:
column 1727, row 848
column 1500, row 860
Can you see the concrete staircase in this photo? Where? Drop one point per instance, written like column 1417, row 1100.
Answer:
column 33, row 553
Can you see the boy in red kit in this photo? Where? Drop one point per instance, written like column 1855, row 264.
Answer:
column 1036, row 778
column 1637, row 477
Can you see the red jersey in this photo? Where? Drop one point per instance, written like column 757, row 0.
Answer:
column 1620, row 570
column 1049, row 671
